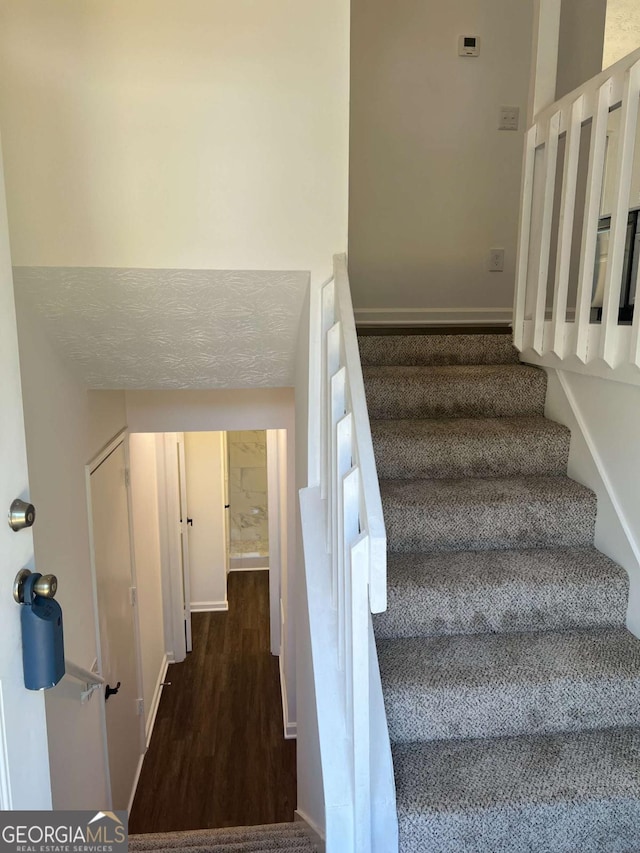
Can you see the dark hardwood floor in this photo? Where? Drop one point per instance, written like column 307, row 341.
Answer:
column 218, row 756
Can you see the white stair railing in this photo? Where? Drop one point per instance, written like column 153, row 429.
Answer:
column 553, row 319
column 355, row 544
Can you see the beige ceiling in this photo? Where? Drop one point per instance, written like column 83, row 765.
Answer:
column 622, row 30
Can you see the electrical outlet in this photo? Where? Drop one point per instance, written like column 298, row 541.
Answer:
column 509, row 118
column 496, row 260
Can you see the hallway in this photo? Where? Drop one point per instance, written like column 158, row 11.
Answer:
column 217, row 755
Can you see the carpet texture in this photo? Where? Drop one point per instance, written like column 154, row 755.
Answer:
column 511, row 685
column 292, row 837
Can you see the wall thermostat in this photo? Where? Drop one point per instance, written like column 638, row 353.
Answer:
column 468, row 46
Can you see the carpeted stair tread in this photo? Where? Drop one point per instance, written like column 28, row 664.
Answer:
column 457, row 592
column 465, row 391
column 469, row 447
column 293, row 837
column 498, row 512
column 563, row 793
column 436, row 349
column 492, row 685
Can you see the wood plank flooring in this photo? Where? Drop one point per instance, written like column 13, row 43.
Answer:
column 218, row 756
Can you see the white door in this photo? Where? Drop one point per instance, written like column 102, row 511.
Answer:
column 24, row 758
column 116, row 618
column 183, row 511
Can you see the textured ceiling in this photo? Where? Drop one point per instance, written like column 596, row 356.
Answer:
column 622, row 30
column 153, row 329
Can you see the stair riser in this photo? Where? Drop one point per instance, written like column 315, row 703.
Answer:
column 539, row 524
column 511, row 607
column 426, row 394
column 419, row 714
column 445, row 456
column 599, row 826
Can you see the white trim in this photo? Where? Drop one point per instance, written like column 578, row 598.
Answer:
column 248, row 569
column 276, row 494
column 434, row 316
column 317, row 834
column 136, row 779
column 6, row 800
column 290, row 727
column 155, row 701
column 209, row 606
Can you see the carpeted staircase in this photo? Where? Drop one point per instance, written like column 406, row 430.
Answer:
column 290, row 837
column 511, row 685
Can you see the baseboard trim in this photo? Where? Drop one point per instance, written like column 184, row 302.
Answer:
column 248, row 569
column 209, row 606
column 317, row 835
column 433, row 316
column 155, row 702
column 290, row 727
column 136, row 779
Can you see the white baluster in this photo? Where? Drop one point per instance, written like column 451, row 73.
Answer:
column 338, row 408
column 524, row 237
column 595, row 176
column 344, row 450
column 550, row 162
column 350, row 525
column 619, row 214
column 328, row 318
column 332, row 357
column 360, row 726
column 565, row 228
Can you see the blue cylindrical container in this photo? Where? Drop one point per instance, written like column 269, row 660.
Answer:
column 42, row 639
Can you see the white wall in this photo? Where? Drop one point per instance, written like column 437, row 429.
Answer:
column 603, row 416
column 204, row 134
column 582, row 26
column 62, row 436
column 433, row 183
column 257, row 408
column 205, row 504
column 146, row 541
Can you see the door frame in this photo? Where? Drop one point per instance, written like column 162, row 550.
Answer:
column 277, row 512
column 172, row 583
column 121, row 438
column 171, row 548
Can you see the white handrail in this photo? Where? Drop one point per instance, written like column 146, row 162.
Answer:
column 354, row 536
column 552, row 319
column 91, row 680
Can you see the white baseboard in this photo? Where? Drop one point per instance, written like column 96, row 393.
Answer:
column 290, row 727
column 136, row 779
column 248, row 569
column 317, row 834
column 209, row 606
column 155, row 702
column 434, row 316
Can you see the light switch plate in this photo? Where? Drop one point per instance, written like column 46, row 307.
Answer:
column 509, row 118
